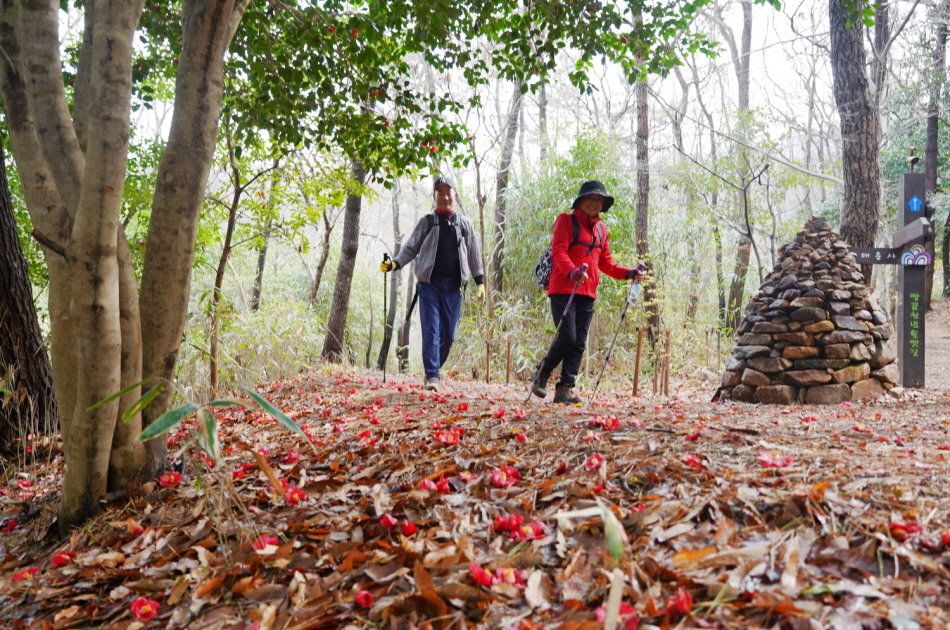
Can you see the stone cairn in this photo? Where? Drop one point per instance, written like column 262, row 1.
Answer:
column 812, row 333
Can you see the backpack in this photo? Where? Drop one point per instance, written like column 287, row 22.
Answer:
column 545, row 266
column 432, row 220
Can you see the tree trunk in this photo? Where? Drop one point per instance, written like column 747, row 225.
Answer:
column 937, row 79
column 28, row 405
column 268, row 229
column 402, row 340
column 742, row 64
column 183, row 174
column 501, row 186
column 860, row 129
column 643, row 207
column 322, row 263
column 261, row 263
column 390, row 315
column 339, row 309
column 216, row 296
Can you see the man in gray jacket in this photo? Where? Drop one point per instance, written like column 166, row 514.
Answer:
column 444, row 258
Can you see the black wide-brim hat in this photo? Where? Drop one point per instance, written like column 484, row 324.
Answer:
column 594, row 187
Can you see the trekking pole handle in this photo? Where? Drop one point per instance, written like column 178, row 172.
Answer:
column 385, row 256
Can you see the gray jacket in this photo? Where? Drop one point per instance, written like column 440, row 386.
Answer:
column 424, row 241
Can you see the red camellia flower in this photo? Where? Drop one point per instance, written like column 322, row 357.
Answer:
column 355, row 33
column 63, row 557
column 170, row 480
column 467, row 476
column 388, row 521
column 463, row 406
column 505, row 477
column 443, row 486
column 10, row 525
column 499, row 412
column 679, row 604
column 507, row 522
column 25, row 574
column 449, row 438
column 695, row 435
column 521, row 437
column 508, row 575
column 24, row 483
column 691, row 459
column 902, row 531
column 264, row 541
column 530, row 531
column 426, row 484
column 769, row 460
column 290, row 458
column 480, row 575
column 294, row 495
column 594, row 461
column 408, row 528
column 626, row 610
column 144, row 608
column 366, row 438
column 364, row 599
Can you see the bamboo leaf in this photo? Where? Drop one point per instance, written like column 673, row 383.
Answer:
column 141, row 403
column 122, row 392
column 166, row 421
column 278, row 414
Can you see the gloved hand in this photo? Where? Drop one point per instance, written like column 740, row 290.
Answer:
column 578, row 275
column 479, row 293
column 636, row 274
column 388, row 265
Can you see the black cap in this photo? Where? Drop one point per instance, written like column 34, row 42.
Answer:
column 594, row 187
column 442, row 180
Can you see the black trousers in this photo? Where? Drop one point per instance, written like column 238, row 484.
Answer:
column 571, row 341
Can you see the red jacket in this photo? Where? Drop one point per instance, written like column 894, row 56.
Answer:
column 567, row 259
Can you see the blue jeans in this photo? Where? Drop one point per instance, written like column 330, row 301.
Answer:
column 571, row 341
column 440, row 304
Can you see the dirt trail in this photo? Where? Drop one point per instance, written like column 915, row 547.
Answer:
column 938, row 346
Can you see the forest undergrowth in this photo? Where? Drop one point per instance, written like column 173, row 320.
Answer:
column 473, row 508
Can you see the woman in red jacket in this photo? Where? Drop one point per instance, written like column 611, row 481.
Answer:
column 579, row 237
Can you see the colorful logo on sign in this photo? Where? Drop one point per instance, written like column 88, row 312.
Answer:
column 915, row 204
column 917, row 256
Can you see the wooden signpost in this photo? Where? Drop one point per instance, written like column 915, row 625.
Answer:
column 910, row 252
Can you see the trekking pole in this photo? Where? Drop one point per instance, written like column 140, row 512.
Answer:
column 557, row 331
column 385, row 312
column 632, row 298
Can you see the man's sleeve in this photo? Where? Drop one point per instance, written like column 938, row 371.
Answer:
column 474, row 253
column 410, row 249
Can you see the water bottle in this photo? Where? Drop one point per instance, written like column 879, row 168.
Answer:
column 634, row 296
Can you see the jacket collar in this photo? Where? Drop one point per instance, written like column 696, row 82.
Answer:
column 585, row 220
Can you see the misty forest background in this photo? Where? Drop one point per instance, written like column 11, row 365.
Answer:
column 714, row 164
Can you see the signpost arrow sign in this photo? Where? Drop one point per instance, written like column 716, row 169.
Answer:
column 915, row 204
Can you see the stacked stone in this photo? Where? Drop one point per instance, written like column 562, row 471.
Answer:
column 812, row 333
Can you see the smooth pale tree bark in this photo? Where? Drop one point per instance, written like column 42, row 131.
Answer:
column 339, row 308
column 501, row 185
column 208, row 27
column 393, row 297
column 860, row 129
column 28, row 405
column 73, row 172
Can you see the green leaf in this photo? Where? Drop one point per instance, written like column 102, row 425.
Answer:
column 166, row 421
column 141, row 403
column 122, row 392
column 277, row 413
column 208, row 436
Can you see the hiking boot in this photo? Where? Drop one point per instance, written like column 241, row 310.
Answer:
column 432, row 383
column 539, row 381
column 563, row 395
